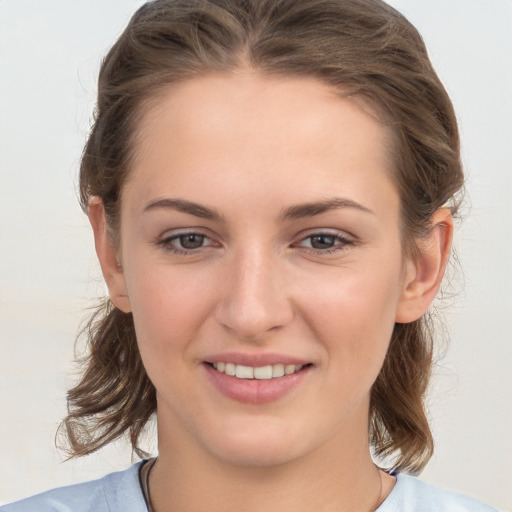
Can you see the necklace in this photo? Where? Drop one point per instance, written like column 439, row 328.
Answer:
column 144, row 481
column 148, row 466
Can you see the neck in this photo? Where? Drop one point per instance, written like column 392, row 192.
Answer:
column 186, row 479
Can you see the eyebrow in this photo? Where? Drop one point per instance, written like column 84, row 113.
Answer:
column 316, row 208
column 298, row 211
column 182, row 205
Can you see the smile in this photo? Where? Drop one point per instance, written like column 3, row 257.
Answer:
column 260, row 372
column 255, row 385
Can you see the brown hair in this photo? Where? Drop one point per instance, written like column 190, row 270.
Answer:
column 361, row 46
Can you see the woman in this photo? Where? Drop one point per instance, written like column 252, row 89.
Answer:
column 271, row 187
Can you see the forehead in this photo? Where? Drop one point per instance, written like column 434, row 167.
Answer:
column 243, row 130
column 247, row 99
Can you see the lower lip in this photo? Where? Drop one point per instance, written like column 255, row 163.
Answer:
column 254, row 391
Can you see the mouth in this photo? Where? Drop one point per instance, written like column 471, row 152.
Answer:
column 267, row 372
column 256, row 384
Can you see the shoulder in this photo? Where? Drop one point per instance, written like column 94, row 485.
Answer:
column 116, row 492
column 412, row 495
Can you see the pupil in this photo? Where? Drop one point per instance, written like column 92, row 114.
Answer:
column 322, row 241
column 191, row 241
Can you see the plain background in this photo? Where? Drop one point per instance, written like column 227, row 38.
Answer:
column 49, row 58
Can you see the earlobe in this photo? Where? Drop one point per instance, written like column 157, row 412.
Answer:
column 423, row 276
column 106, row 252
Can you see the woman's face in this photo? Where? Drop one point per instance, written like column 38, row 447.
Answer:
column 260, row 229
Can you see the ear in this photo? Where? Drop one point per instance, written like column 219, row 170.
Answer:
column 110, row 266
column 424, row 274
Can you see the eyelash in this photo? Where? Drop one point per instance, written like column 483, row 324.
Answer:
column 166, row 243
column 341, row 243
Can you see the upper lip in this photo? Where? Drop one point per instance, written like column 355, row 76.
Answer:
column 255, row 360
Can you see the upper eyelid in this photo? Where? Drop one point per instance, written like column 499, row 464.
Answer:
column 176, row 233
column 326, row 232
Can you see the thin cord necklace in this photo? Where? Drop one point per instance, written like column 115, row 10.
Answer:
column 144, row 482
column 148, row 466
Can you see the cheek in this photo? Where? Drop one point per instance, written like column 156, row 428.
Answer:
column 169, row 305
column 352, row 312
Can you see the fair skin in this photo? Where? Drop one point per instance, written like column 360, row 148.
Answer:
column 261, row 280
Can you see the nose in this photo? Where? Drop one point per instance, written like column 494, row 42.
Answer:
column 254, row 300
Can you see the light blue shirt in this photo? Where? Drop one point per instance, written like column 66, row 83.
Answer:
column 121, row 492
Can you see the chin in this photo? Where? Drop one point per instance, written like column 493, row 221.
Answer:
column 257, row 447
column 256, row 457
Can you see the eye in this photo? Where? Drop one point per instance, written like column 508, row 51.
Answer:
column 191, row 240
column 322, row 241
column 325, row 243
column 185, row 243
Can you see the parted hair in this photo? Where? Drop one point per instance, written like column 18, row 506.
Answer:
column 365, row 49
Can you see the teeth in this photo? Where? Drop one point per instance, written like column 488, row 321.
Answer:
column 263, row 372
column 260, row 372
column 289, row 369
column 244, row 372
column 278, row 370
